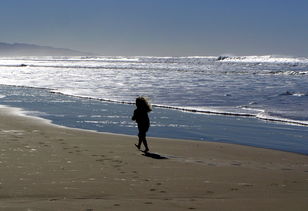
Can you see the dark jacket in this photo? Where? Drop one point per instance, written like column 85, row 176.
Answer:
column 142, row 119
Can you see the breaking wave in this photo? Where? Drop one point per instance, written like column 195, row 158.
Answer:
column 263, row 59
column 213, row 85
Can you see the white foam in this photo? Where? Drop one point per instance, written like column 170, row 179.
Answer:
column 267, row 58
column 174, row 82
column 266, row 116
column 20, row 112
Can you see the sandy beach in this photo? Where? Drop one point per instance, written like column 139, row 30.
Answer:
column 47, row 167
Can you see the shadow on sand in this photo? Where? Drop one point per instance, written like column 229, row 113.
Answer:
column 154, row 155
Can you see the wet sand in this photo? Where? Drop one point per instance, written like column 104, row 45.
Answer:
column 47, row 167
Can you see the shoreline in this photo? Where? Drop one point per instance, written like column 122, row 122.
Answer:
column 49, row 167
column 20, row 111
column 109, row 117
column 192, row 110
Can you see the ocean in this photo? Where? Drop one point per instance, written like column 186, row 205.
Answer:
column 187, row 92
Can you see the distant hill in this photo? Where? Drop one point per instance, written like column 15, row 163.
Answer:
column 22, row 49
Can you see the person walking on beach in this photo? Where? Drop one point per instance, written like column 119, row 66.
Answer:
column 143, row 121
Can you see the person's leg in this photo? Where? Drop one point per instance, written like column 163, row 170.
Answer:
column 139, row 141
column 141, row 136
column 142, row 139
column 145, row 143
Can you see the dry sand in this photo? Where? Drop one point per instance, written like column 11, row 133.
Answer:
column 46, row 167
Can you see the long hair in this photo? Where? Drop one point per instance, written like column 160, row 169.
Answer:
column 143, row 103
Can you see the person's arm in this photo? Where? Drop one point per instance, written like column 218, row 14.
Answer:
column 134, row 116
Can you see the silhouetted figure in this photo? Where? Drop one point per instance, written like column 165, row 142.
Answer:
column 143, row 121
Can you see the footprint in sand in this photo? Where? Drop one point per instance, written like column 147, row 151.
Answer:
column 117, row 161
column 14, row 139
column 245, row 184
column 100, row 160
column 236, row 164
column 286, row 169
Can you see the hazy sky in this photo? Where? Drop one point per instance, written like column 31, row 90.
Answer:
column 160, row 27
